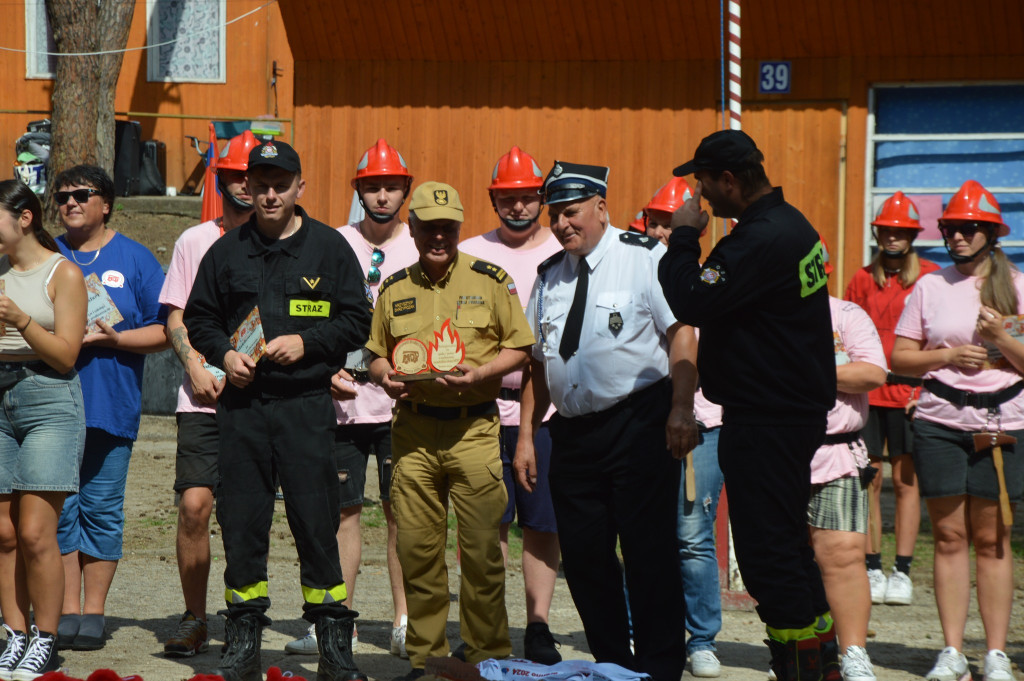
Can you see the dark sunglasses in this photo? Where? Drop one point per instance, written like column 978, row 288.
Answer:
column 79, row 195
column 376, row 260
column 966, row 230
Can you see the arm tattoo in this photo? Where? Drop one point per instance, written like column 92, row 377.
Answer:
column 182, row 348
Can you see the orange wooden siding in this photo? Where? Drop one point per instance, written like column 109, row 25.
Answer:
column 252, row 45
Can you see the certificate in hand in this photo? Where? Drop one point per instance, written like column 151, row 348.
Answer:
column 248, row 337
column 101, row 306
column 1014, row 325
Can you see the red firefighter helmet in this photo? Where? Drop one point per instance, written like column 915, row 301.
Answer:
column 638, row 224
column 671, row 196
column 516, row 170
column 235, row 154
column 381, row 160
column 976, row 204
column 898, row 211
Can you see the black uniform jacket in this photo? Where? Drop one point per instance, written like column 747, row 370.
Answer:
column 760, row 301
column 309, row 284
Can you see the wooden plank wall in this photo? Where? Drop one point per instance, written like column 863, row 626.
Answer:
column 453, row 120
column 252, row 45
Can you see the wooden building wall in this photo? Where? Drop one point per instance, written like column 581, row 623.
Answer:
column 454, row 83
column 252, row 45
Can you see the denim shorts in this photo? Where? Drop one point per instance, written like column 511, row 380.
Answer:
column 42, row 433
column 353, row 445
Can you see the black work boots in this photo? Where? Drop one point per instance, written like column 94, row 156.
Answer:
column 241, row 660
column 798, row 660
column 334, row 640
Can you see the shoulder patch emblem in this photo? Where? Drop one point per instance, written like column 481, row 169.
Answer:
column 512, row 288
column 397, row 276
column 491, row 270
column 550, row 261
column 367, row 292
column 637, row 239
column 712, row 275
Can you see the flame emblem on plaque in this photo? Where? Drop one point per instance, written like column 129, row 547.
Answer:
column 447, row 350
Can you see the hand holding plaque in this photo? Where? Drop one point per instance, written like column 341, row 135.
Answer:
column 415, row 361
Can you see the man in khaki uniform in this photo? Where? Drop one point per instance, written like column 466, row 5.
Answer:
column 445, row 431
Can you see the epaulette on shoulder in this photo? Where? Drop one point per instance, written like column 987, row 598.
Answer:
column 637, row 239
column 550, row 261
column 397, row 276
column 490, row 269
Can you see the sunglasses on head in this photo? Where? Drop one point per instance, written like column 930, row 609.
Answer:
column 79, row 195
column 967, row 230
column 376, row 260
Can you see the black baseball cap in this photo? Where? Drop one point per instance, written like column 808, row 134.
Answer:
column 277, row 154
column 722, row 150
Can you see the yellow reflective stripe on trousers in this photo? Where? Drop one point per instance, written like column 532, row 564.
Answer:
column 246, row 593
column 336, row 594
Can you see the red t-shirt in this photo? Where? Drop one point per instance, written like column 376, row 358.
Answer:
column 884, row 306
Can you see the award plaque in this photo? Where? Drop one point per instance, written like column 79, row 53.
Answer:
column 410, row 360
column 415, row 361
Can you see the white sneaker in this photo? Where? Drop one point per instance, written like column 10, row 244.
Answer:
column 899, row 590
column 997, row 666
column 876, row 578
column 305, row 645
column 856, row 665
column 398, row 639
column 951, row 665
column 704, row 664
column 771, row 675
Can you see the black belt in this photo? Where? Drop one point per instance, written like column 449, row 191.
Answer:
column 965, row 398
column 13, row 372
column 451, row 413
column 842, row 438
column 510, row 394
column 896, row 379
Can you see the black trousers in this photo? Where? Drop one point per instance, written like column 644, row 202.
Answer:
column 767, row 472
column 613, row 479
column 291, row 439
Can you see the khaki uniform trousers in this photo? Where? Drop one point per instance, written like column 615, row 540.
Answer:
column 434, row 460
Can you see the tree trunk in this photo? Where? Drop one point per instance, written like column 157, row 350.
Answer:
column 84, row 87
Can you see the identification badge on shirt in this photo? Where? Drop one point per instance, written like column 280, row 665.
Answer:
column 309, row 308
column 615, row 322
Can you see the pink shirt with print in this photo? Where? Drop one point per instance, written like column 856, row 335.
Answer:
column 856, row 340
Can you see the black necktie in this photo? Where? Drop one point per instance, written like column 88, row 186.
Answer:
column 574, row 322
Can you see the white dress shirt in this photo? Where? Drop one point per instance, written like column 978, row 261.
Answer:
column 610, row 364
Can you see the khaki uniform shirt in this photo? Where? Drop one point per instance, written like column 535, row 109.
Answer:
column 483, row 307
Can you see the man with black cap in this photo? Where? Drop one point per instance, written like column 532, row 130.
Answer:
column 295, row 282
column 457, row 322
column 767, row 356
column 619, row 368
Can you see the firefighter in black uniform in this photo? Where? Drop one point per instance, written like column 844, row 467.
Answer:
column 766, row 355
column 275, row 415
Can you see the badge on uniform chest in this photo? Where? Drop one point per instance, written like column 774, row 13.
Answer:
column 615, row 322
column 404, row 306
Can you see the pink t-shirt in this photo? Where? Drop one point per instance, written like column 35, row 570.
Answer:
column 372, row 404
column 521, row 264
column 856, row 340
column 181, row 274
column 943, row 311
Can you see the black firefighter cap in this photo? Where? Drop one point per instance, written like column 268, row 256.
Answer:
column 722, row 150
column 574, row 181
column 277, row 154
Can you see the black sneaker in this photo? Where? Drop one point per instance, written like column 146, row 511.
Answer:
column 539, row 645
column 40, row 657
column 17, row 641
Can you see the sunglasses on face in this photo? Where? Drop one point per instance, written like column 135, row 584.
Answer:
column 895, row 232
column 967, row 231
column 79, row 195
column 376, row 260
